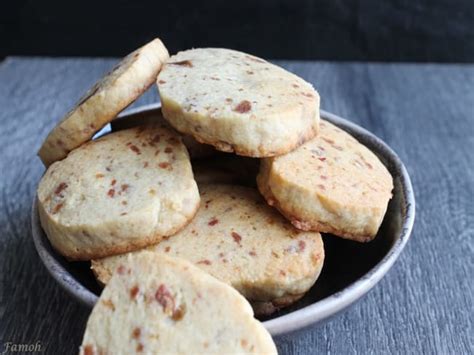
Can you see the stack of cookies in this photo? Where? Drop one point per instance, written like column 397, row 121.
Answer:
column 219, row 198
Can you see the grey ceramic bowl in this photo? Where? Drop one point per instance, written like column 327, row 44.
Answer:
column 345, row 278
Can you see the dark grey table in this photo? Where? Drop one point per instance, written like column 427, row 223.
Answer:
column 425, row 112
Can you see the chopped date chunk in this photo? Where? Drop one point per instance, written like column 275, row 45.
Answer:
column 213, row 221
column 178, row 313
column 109, row 304
column 136, row 333
column 121, row 270
column 134, row 292
column 60, row 188
column 57, row 207
column 302, row 245
column 243, row 107
column 164, row 297
column 204, row 262
column 88, row 350
column 135, row 149
column 237, row 238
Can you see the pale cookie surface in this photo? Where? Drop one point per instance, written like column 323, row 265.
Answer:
column 237, row 102
column 101, row 104
column 330, row 184
column 240, row 240
column 162, row 305
column 118, row 193
column 196, row 150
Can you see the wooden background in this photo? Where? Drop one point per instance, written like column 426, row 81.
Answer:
column 425, row 112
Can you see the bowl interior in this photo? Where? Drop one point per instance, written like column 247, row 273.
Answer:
column 346, row 261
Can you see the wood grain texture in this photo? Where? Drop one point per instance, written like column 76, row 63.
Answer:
column 425, row 112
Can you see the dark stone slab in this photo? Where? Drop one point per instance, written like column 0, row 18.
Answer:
column 425, row 112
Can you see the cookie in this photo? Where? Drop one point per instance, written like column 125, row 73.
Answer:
column 237, row 102
column 101, row 104
column 155, row 304
column 240, row 240
column 196, row 150
column 118, row 193
column 331, row 184
column 262, row 308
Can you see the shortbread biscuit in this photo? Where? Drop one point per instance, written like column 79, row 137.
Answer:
column 331, row 184
column 196, row 150
column 101, row 104
column 266, row 308
column 237, row 102
column 240, row 240
column 118, row 193
column 155, row 304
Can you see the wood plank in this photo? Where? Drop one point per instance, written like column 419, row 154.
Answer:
column 425, row 112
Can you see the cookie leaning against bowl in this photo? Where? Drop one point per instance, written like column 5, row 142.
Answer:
column 330, row 184
column 237, row 102
column 240, row 240
column 101, row 104
column 161, row 305
column 118, row 193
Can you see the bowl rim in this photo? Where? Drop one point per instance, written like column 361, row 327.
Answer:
column 301, row 318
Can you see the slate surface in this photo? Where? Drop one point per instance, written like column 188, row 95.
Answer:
column 425, row 112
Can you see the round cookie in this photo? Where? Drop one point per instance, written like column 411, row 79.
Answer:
column 101, row 104
column 196, row 150
column 331, row 184
column 118, row 193
column 155, row 304
column 238, row 239
column 266, row 308
column 237, row 102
